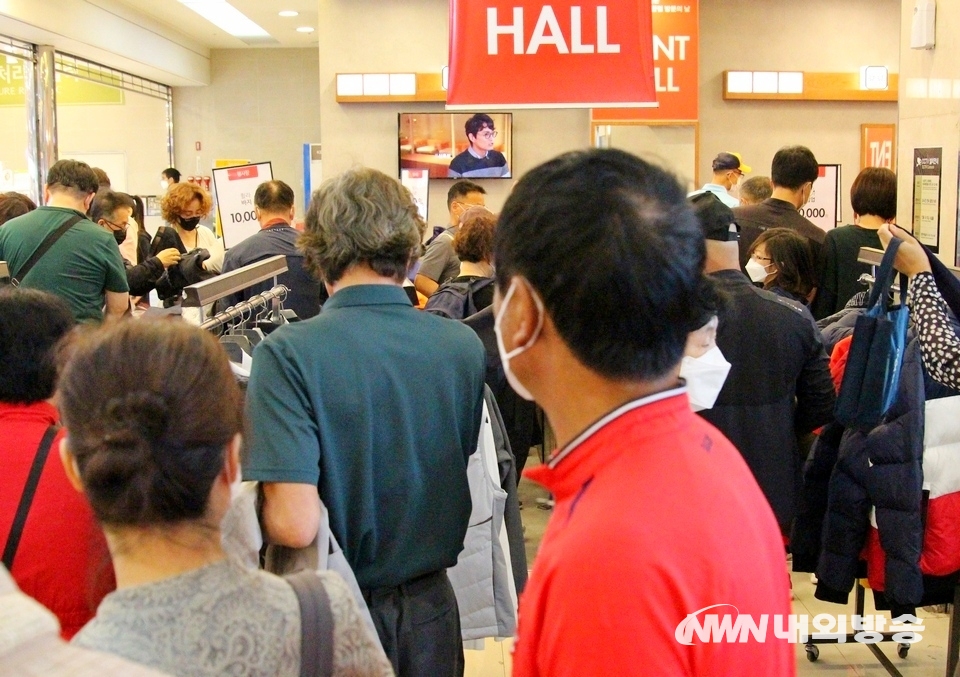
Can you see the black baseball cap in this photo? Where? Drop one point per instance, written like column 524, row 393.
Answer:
column 729, row 161
column 716, row 219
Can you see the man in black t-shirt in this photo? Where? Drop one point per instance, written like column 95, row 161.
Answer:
column 479, row 160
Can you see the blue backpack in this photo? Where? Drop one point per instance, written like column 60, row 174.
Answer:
column 455, row 299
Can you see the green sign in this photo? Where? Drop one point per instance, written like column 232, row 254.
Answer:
column 71, row 91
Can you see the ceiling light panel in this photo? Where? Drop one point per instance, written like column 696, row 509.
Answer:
column 226, row 17
column 289, row 12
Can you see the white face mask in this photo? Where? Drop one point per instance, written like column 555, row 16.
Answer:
column 505, row 356
column 705, row 376
column 756, row 270
column 163, row 186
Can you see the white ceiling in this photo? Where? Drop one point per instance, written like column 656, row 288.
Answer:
column 262, row 12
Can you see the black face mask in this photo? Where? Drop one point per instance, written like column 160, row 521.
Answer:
column 120, row 235
column 189, row 224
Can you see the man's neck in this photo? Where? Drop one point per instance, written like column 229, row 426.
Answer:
column 478, row 153
column 361, row 274
column 268, row 220
column 870, row 222
column 720, row 180
column 787, row 195
column 66, row 202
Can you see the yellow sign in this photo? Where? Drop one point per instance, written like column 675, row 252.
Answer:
column 71, row 91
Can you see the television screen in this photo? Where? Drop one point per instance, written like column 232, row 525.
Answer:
column 457, row 145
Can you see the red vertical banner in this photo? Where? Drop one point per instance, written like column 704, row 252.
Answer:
column 676, row 62
column 565, row 54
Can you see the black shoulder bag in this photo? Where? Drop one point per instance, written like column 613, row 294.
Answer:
column 316, row 624
column 26, row 499
column 44, row 247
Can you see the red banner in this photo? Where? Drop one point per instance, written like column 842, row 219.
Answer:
column 566, row 54
column 676, row 61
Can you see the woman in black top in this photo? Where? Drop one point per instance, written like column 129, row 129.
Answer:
column 874, row 200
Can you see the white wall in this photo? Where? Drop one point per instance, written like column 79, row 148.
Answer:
column 930, row 116
column 262, row 104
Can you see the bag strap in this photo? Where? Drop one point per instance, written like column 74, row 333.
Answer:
column 44, row 247
column 880, row 292
column 316, row 624
column 26, row 499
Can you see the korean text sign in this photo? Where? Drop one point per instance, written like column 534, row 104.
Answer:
column 235, row 187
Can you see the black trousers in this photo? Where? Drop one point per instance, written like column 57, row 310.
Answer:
column 419, row 626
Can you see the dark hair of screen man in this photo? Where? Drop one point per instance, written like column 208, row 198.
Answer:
column 274, row 198
column 475, row 124
column 794, row 166
column 172, row 174
column 609, row 244
column 463, row 188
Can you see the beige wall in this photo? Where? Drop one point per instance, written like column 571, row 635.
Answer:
column 374, row 36
column 813, row 35
column 262, row 105
column 930, row 116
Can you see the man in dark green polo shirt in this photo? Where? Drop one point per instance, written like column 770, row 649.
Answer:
column 377, row 406
column 84, row 266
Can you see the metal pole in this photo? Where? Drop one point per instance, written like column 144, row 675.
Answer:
column 45, row 97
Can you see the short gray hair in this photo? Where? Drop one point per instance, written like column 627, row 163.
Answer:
column 361, row 216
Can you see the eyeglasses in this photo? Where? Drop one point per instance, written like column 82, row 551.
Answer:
column 117, row 226
column 488, row 134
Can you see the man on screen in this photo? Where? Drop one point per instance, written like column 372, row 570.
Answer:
column 479, row 160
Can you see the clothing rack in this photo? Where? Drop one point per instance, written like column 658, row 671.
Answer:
column 214, row 289
column 273, row 297
column 873, row 257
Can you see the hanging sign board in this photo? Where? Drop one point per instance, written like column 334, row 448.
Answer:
column 676, row 66
column 235, row 187
column 554, row 54
column 927, row 170
column 878, row 146
column 823, row 207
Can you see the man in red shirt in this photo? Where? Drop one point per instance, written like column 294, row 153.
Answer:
column 60, row 556
column 657, row 517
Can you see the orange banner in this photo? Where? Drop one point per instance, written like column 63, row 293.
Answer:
column 878, row 144
column 568, row 53
column 676, row 61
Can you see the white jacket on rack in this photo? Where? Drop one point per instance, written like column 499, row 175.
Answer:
column 483, row 577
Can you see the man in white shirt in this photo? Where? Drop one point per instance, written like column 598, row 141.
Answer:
column 727, row 170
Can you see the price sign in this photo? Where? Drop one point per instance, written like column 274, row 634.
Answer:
column 235, row 187
column 823, row 207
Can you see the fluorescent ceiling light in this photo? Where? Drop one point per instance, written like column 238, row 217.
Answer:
column 289, row 12
column 305, row 29
column 226, row 17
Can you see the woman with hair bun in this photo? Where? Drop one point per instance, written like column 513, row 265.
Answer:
column 156, row 449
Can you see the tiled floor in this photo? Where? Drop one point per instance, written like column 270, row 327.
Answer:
column 927, row 658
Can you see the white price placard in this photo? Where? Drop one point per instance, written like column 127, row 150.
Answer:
column 417, row 181
column 235, row 187
column 823, row 207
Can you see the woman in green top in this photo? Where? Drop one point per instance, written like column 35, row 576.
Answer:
column 874, row 200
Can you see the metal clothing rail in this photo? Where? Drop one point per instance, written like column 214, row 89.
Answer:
column 276, row 295
column 204, row 293
column 873, row 257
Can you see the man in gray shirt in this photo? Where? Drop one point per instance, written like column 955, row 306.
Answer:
column 440, row 262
